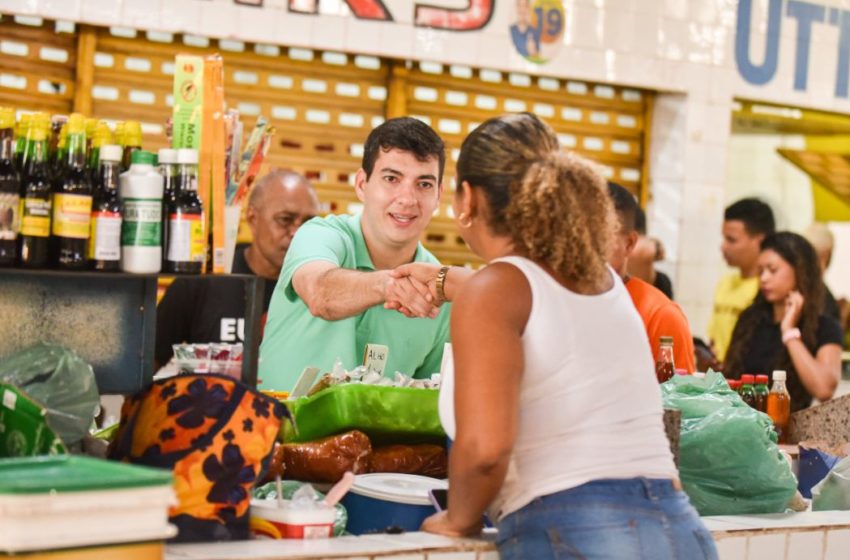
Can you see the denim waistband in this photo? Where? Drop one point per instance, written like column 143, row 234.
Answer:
column 652, row 488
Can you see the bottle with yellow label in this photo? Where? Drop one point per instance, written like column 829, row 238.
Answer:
column 185, row 240
column 72, row 202
column 34, row 237
column 10, row 187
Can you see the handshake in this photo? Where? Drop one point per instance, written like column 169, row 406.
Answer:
column 412, row 289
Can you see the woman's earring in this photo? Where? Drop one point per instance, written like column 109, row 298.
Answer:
column 460, row 221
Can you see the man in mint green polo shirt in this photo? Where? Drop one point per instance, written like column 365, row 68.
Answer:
column 337, row 291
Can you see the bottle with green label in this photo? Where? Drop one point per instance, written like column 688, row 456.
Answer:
column 107, row 213
column 36, row 197
column 185, row 241
column 10, row 190
column 72, row 202
column 141, row 231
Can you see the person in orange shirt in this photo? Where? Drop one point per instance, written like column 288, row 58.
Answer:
column 660, row 315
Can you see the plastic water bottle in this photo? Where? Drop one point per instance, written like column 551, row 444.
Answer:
column 141, row 231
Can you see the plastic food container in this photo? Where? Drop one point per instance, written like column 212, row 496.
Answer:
column 381, row 501
column 269, row 520
column 385, row 414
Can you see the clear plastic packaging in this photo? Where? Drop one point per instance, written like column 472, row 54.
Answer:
column 214, row 357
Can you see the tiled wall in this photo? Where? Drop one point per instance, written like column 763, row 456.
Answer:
column 808, row 545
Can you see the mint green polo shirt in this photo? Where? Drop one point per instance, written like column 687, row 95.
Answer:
column 295, row 339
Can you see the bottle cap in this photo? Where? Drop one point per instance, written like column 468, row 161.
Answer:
column 762, row 378
column 187, row 156
column 132, row 133
column 779, row 375
column 111, row 152
column 747, row 379
column 167, row 155
column 144, row 157
column 7, row 117
column 666, row 340
column 734, row 384
column 76, row 124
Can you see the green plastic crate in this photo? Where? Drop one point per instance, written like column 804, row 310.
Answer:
column 385, row 414
column 72, row 473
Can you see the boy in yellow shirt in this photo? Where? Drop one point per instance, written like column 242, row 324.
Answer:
column 745, row 223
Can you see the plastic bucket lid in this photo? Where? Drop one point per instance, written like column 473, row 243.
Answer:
column 399, row 488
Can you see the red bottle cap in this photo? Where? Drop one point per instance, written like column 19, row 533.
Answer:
column 748, row 379
column 762, row 379
column 734, row 384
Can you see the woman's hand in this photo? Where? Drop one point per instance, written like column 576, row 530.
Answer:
column 440, row 524
column 793, row 308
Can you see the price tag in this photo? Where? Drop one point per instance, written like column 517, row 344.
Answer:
column 375, row 357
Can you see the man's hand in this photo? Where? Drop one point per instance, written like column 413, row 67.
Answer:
column 424, row 273
column 410, row 297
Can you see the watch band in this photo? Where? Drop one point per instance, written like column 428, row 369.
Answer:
column 441, row 283
column 791, row 334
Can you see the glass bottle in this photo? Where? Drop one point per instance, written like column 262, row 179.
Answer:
column 102, row 137
column 747, row 391
column 72, row 202
column 36, row 197
column 762, row 391
column 21, row 132
column 57, row 145
column 10, row 189
column 132, row 140
column 779, row 405
column 107, row 213
column 186, row 243
column 664, row 366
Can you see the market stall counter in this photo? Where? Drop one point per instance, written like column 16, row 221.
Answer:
column 808, row 535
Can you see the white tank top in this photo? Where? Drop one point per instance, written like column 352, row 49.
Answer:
column 590, row 406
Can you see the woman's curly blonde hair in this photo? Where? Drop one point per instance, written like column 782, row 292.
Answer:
column 553, row 205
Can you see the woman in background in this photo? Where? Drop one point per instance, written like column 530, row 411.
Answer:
column 558, row 412
column 786, row 327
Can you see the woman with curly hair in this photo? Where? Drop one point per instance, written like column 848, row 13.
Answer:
column 786, row 327
column 559, row 430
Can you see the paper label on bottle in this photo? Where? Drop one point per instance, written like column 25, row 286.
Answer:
column 71, row 215
column 186, row 238
column 375, row 357
column 10, row 210
column 142, row 225
column 105, row 242
column 35, row 217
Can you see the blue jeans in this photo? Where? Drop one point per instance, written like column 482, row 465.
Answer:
column 637, row 518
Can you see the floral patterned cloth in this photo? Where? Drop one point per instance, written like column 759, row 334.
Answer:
column 217, row 436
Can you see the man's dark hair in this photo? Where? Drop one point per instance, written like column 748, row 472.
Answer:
column 755, row 214
column 628, row 210
column 408, row 135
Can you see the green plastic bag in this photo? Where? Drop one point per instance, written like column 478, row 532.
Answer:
column 268, row 491
column 23, row 429
column 59, row 380
column 729, row 462
column 833, row 492
column 385, row 414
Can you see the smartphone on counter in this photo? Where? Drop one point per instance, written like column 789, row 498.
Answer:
column 439, row 498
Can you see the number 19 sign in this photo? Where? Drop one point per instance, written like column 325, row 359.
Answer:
column 536, row 33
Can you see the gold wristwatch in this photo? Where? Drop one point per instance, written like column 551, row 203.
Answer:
column 441, row 283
